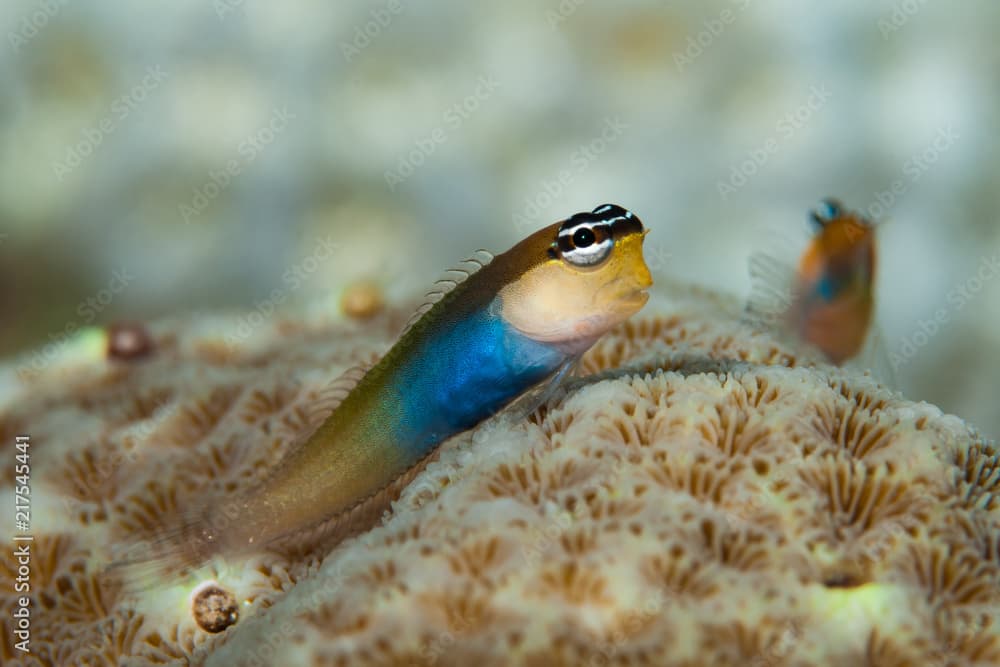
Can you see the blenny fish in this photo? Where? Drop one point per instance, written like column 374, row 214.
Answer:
column 829, row 300
column 519, row 321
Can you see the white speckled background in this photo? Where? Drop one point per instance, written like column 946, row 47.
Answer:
column 403, row 136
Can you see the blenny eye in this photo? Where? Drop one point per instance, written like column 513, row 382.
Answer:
column 586, row 239
column 585, row 243
column 826, row 212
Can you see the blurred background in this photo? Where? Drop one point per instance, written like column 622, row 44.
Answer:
column 158, row 158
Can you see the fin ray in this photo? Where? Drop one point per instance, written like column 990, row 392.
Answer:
column 531, row 400
column 874, row 358
column 333, row 394
column 176, row 551
column 771, row 291
column 480, row 259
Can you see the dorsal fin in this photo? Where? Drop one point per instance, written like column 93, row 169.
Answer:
column 772, row 270
column 330, row 396
column 772, row 282
column 334, row 393
column 452, row 278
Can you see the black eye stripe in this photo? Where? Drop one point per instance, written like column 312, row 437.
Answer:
column 611, row 212
column 619, row 220
column 628, row 225
column 570, row 225
column 597, row 227
column 606, row 223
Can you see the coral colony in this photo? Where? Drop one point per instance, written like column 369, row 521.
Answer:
column 702, row 494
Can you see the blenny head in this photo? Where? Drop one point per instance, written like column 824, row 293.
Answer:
column 579, row 278
column 844, row 245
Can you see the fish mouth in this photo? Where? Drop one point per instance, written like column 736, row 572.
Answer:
column 636, row 298
column 640, row 292
column 642, row 295
column 624, row 296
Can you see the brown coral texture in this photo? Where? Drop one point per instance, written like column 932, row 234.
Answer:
column 701, row 494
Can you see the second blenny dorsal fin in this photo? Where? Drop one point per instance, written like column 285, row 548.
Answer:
column 451, row 279
column 773, row 272
column 772, row 280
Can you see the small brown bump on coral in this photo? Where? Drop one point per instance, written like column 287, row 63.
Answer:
column 842, row 580
column 129, row 341
column 214, row 608
column 362, row 300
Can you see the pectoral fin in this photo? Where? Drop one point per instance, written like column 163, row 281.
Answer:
column 540, row 394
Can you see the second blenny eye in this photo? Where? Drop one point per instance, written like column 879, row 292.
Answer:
column 826, row 212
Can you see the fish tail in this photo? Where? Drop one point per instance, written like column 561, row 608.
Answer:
column 172, row 554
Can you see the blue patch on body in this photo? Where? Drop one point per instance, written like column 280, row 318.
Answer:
column 828, row 287
column 469, row 371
